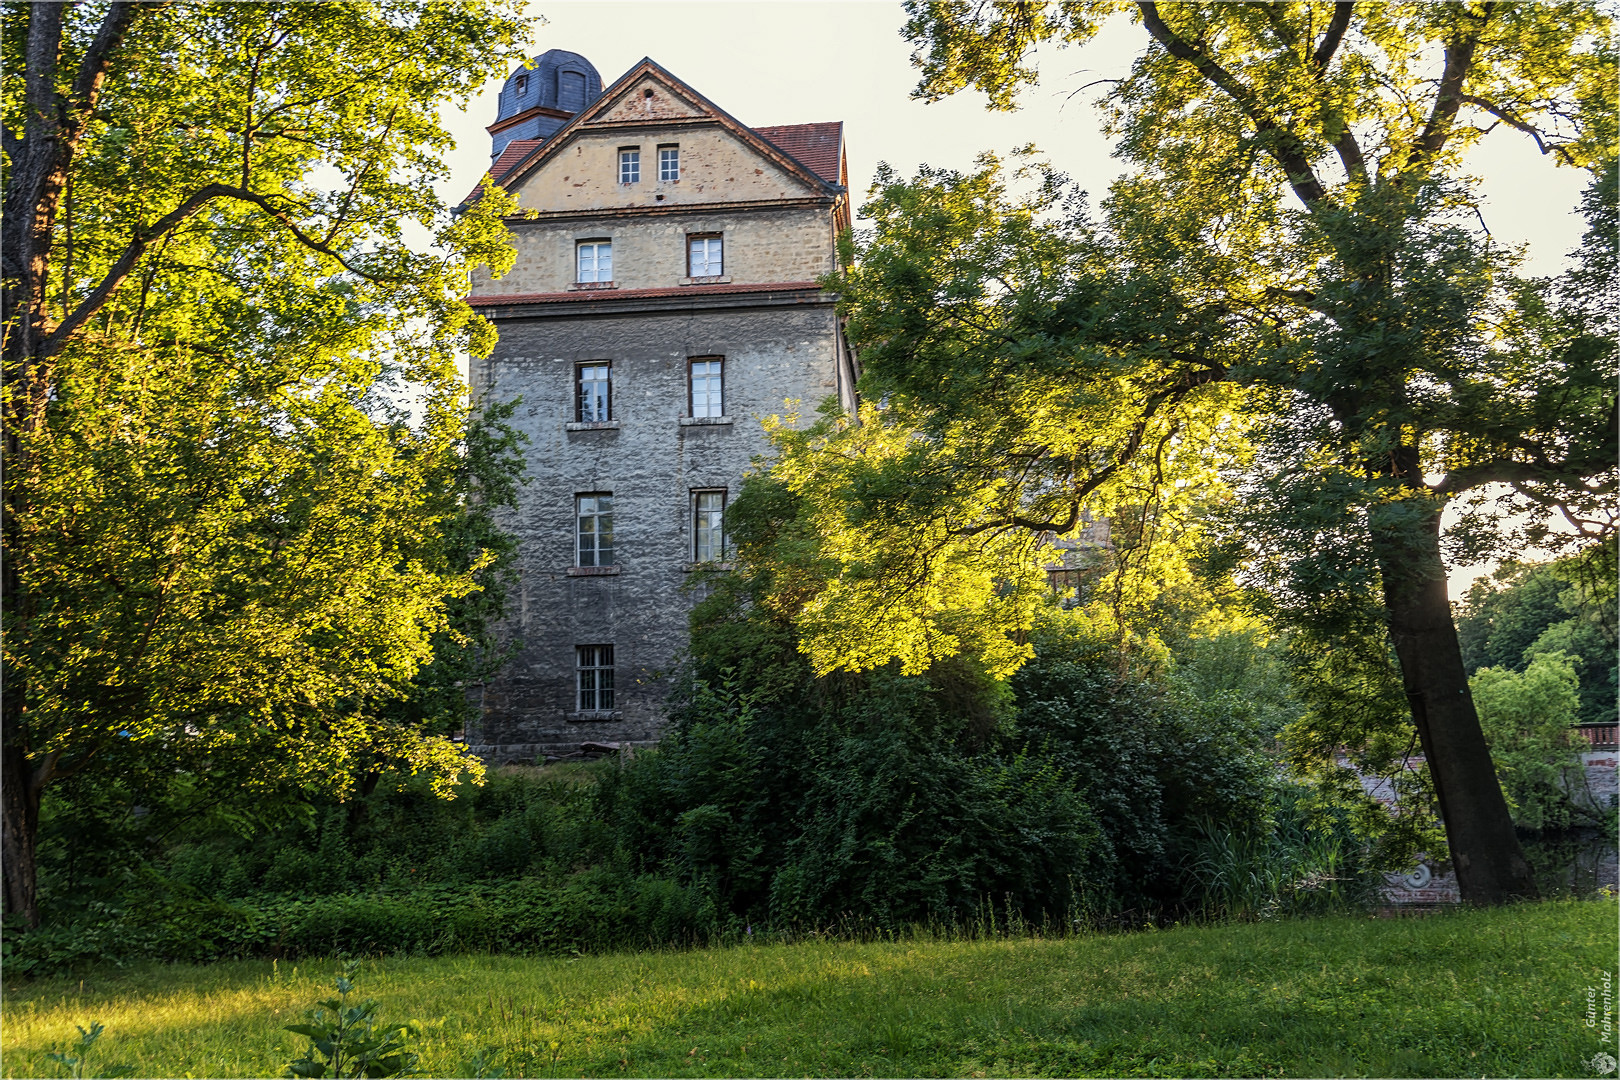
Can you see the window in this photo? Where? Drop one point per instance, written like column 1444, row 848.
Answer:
column 594, row 515
column 593, row 392
column 596, row 260
column 629, row 166
column 669, row 164
column 593, row 665
column 522, row 86
column 570, row 91
column 706, row 387
column 708, row 526
column 704, row 256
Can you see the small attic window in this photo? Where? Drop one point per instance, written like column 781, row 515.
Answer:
column 647, row 93
column 522, row 86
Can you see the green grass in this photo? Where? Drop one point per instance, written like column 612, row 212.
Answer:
column 1491, row 993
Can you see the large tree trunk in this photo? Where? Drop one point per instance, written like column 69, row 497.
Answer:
column 19, row 826
column 56, row 109
column 1491, row 867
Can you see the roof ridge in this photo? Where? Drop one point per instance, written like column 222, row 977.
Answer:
column 647, row 65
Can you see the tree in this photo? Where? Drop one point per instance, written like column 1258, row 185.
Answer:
column 1528, row 716
column 1526, row 610
column 1296, row 246
column 224, row 537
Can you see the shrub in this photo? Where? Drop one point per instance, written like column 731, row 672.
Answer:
column 596, row 910
column 875, row 807
column 1158, row 769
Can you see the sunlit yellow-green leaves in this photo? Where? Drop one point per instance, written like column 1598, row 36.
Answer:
column 228, row 530
column 1006, row 401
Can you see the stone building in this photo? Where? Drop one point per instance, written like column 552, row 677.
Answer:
column 664, row 302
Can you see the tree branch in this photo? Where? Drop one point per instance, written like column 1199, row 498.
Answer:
column 1286, row 149
column 1334, row 34
column 137, row 247
column 1513, row 120
column 1213, row 372
column 1285, row 34
column 1303, row 297
column 1349, row 151
column 44, row 51
column 98, row 57
column 1513, row 471
column 1449, row 98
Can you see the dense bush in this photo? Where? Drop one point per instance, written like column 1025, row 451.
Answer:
column 1157, row 767
column 866, row 808
column 598, row 909
column 1092, row 787
column 398, row 836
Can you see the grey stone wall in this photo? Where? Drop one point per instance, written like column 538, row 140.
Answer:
column 778, row 350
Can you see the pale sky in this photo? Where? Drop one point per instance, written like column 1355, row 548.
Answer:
column 787, row 62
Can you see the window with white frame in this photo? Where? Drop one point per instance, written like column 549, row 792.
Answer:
column 593, row 392
column 704, row 256
column 706, row 387
column 593, row 666
column 595, row 260
column 593, row 515
column 630, row 166
column 708, row 526
column 669, row 164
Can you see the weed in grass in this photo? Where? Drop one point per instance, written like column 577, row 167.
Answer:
column 75, row 1066
column 350, row 1041
column 481, row 1066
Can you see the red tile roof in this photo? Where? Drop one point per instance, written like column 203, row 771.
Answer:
column 514, row 152
column 501, row 300
column 814, row 145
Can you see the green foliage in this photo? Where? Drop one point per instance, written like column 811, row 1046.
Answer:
column 1504, row 614
column 489, row 468
column 395, row 838
column 349, row 1041
column 1245, row 664
column 238, row 466
column 1157, row 767
column 1528, row 719
column 597, row 909
column 77, row 1066
column 1527, row 610
column 1295, row 244
column 1003, row 355
column 1293, row 864
column 878, row 805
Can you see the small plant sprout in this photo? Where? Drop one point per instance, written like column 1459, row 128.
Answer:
column 75, row 1066
column 347, row 1040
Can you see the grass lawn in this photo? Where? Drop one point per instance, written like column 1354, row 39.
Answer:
column 1493, row 993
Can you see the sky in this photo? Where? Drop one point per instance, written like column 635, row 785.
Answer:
column 785, row 62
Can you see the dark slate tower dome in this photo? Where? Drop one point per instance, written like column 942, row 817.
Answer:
column 543, row 95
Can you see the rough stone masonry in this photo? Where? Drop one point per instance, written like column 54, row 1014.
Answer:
column 665, row 301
